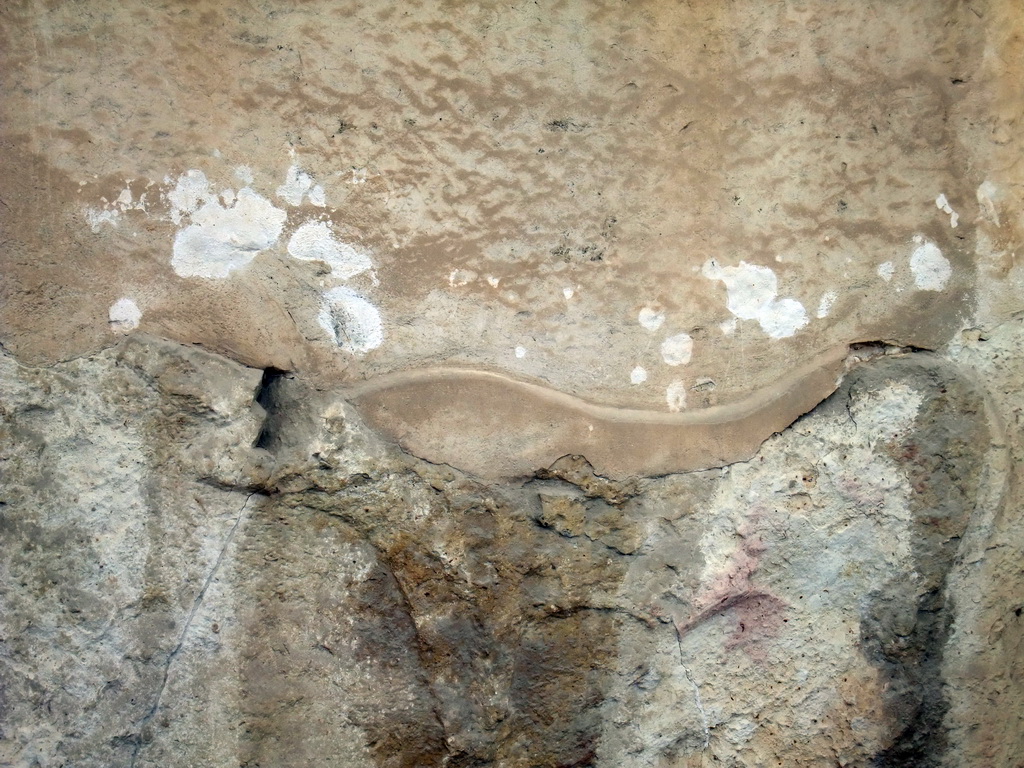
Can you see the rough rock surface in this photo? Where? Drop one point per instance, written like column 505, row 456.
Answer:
column 173, row 596
column 536, row 385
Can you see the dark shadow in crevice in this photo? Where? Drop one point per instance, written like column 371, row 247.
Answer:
column 906, row 622
column 269, row 397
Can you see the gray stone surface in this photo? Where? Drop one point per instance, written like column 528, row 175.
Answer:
column 174, row 597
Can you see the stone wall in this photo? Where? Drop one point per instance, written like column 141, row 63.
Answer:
column 537, row 384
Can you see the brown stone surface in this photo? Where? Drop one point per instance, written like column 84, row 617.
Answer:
column 496, row 427
column 489, row 158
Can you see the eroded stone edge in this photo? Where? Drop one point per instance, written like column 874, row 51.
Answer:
column 494, row 426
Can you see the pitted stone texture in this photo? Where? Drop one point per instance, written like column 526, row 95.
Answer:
column 525, row 182
column 985, row 653
column 122, row 477
column 565, row 253
column 339, row 600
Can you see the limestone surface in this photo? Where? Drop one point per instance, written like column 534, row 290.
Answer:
column 529, row 385
column 206, row 564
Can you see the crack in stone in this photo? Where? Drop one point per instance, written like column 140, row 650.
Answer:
column 436, row 707
column 196, row 604
column 705, row 723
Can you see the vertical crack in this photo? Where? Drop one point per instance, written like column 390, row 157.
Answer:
column 422, row 647
column 705, row 723
column 196, row 603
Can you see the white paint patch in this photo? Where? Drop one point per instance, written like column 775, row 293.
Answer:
column 728, row 327
column 638, row 375
column 125, row 201
column 314, row 241
column 568, row 292
column 931, row 269
column 520, row 352
column 784, row 319
column 298, row 184
column 493, row 281
column 124, row 315
column 651, row 319
column 111, row 211
column 677, row 350
column 318, row 197
column 97, row 218
column 826, row 303
column 752, row 291
column 460, row 277
column 675, row 396
column 351, row 321
column 219, row 239
column 191, row 191
column 886, row 271
column 751, row 288
column 244, row 174
column 943, row 205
